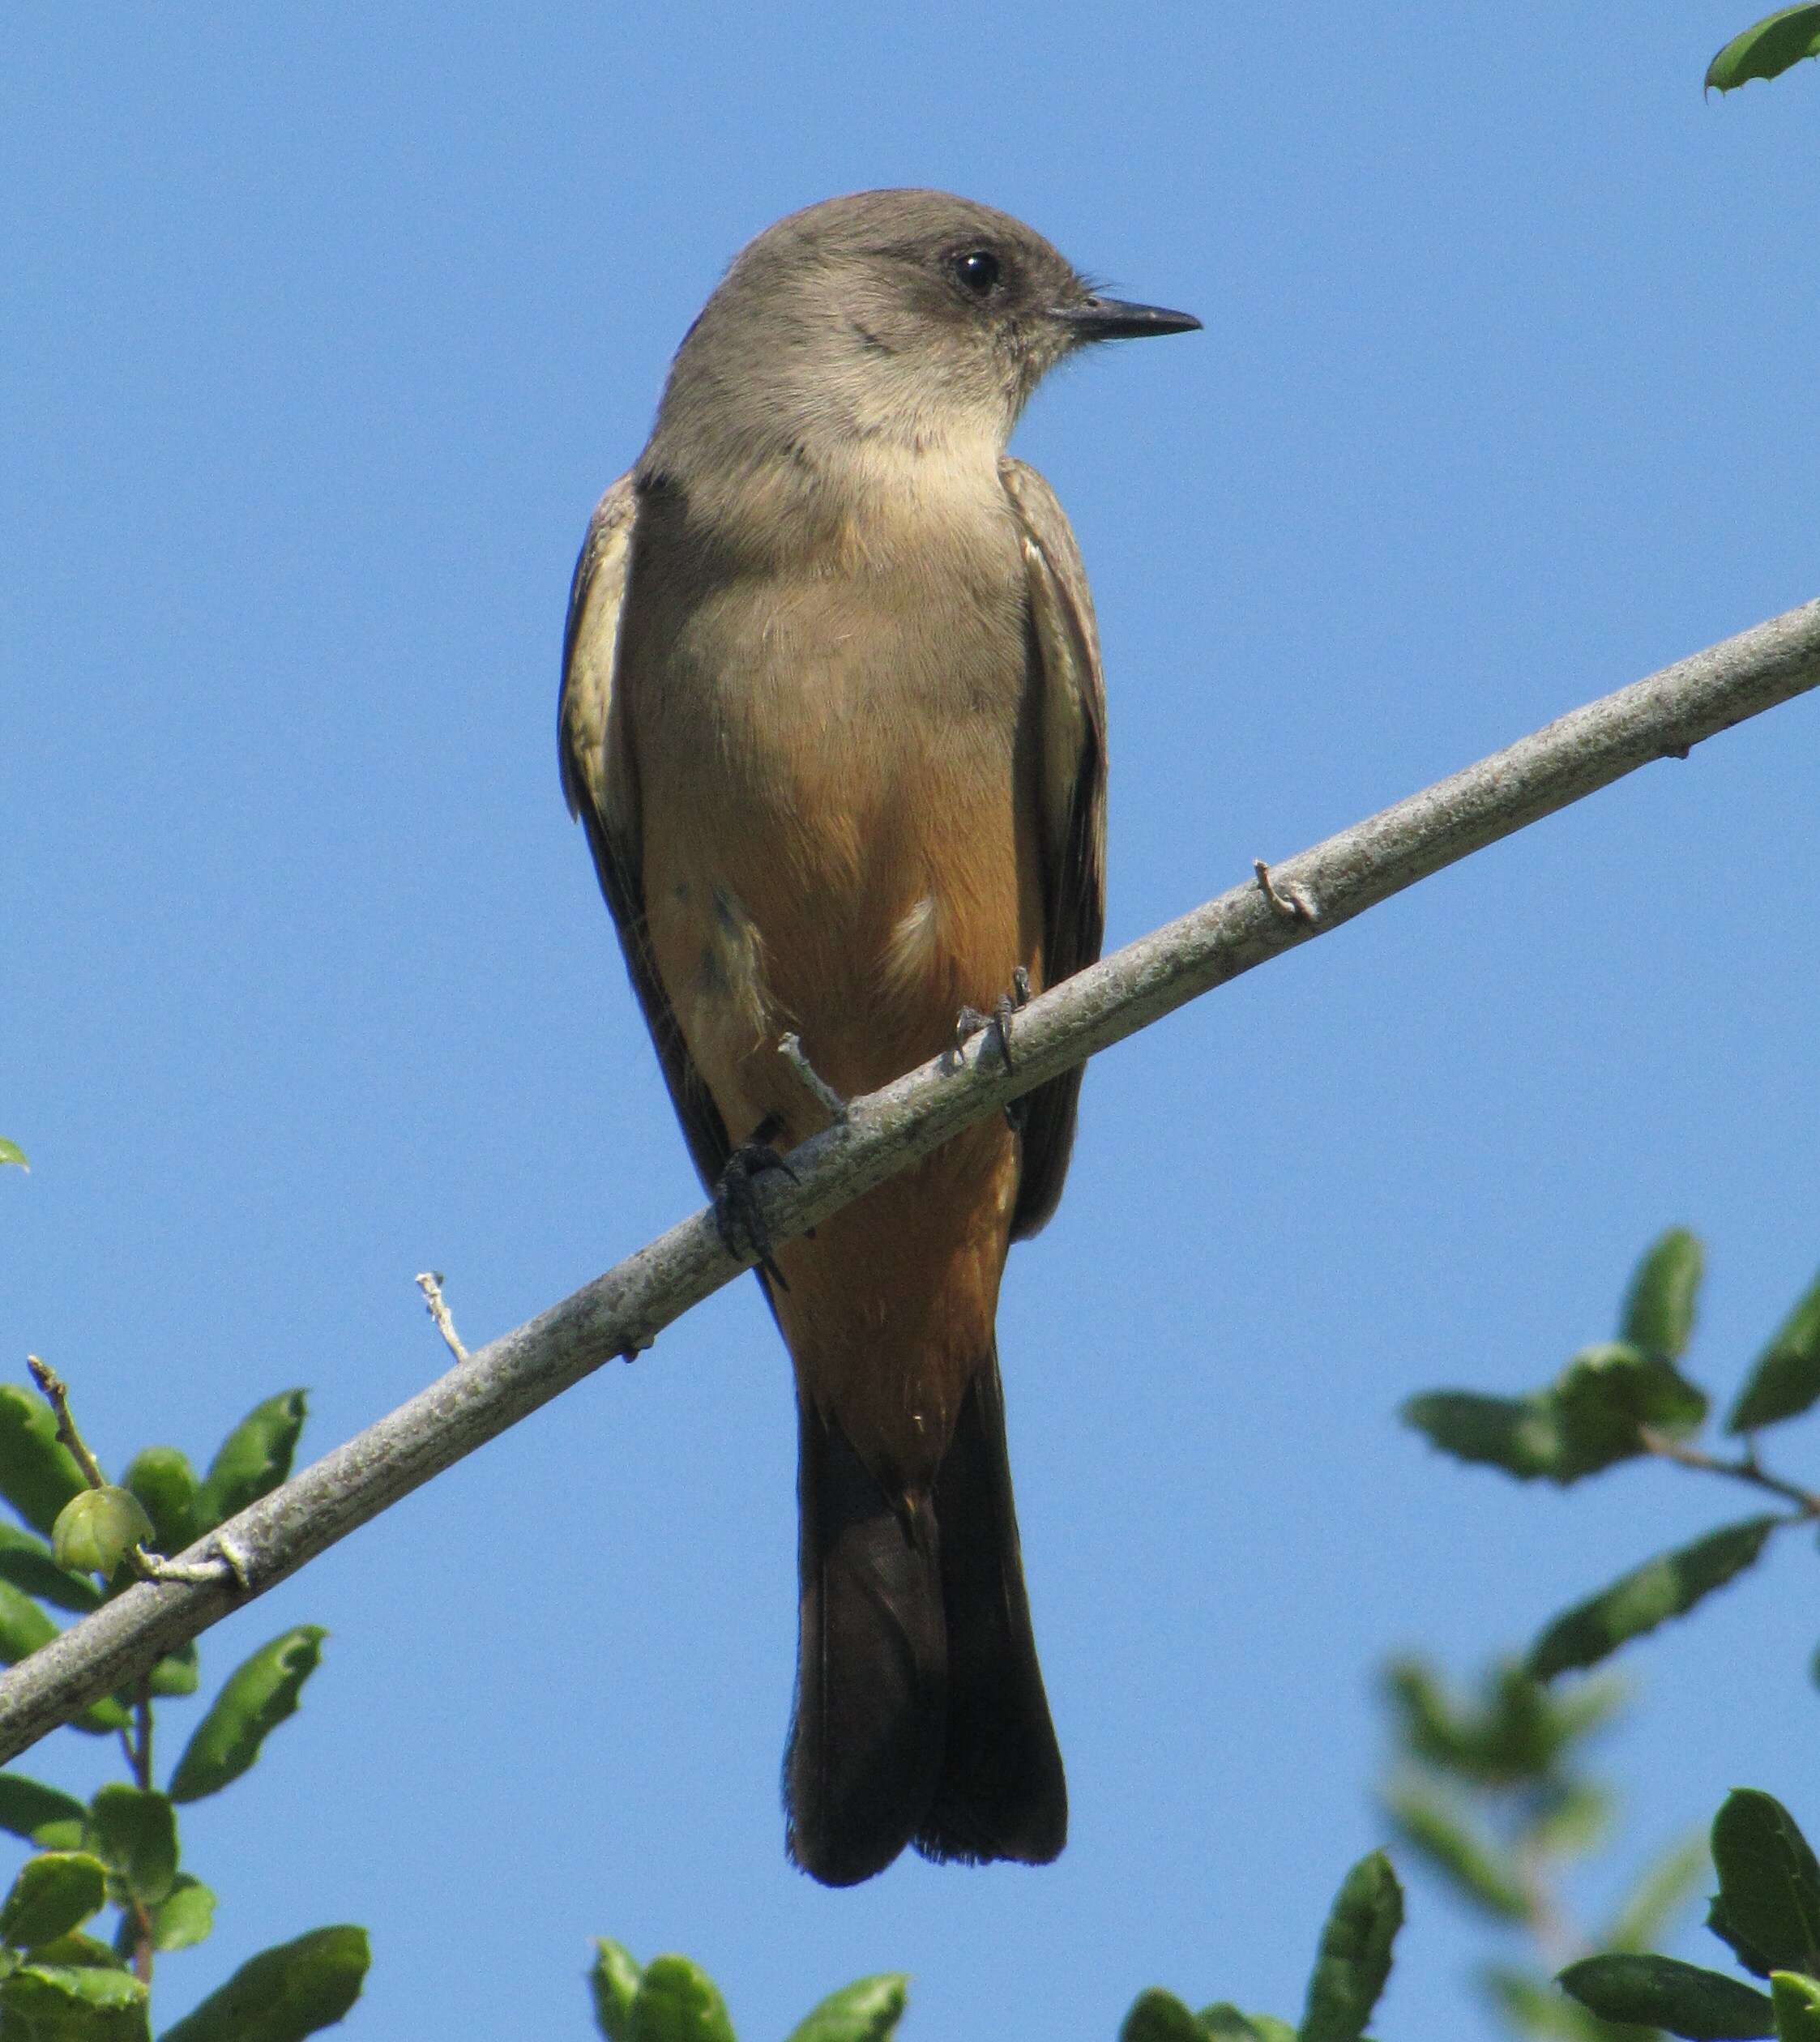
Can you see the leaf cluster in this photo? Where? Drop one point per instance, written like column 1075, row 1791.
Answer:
column 1492, row 1792
column 1626, row 1400
column 60, row 1982
column 672, row 1999
column 1352, row 1965
column 1767, row 1908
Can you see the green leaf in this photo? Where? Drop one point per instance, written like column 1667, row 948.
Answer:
column 1587, row 1420
column 27, row 1804
column 1767, row 1906
column 284, row 1993
column 1354, row 1958
column 53, row 1895
column 1429, row 1722
column 1157, row 2016
column 678, row 2002
column 1661, row 1992
column 1588, row 1707
column 1515, row 1434
column 613, row 1980
column 257, row 1699
column 1515, row 1735
column 1767, row 48
column 1223, row 2023
column 1445, row 1834
column 95, row 1531
column 23, row 1626
column 11, row 1152
column 184, row 1917
column 867, row 2010
column 37, row 1477
column 1569, row 1819
column 177, row 1673
column 77, row 1948
column 1658, row 1314
column 1785, row 1380
column 1664, row 1888
column 1605, row 1396
column 25, row 1560
column 165, row 1483
column 102, row 1718
column 43, row 2002
column 1796, row 1998
column 255, row 1458
column 134, row 1832
column 1667, row 1585
column 1531, row 2005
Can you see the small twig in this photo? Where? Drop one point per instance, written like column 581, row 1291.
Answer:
column 790, row 1049
column 431, row 1283
column 1288, row 900
column 57, row 1394
column 143, row 1943
column 1558, row 1942
column 154, row 1566
column 146, row 1564
column 1747, row 1468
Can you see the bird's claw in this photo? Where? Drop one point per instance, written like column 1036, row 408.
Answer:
column 738, row 1219
column 971, row 1023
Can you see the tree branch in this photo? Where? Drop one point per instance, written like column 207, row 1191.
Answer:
column 620, row 1312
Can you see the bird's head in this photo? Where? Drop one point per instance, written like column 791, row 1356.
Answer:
column 912, row 318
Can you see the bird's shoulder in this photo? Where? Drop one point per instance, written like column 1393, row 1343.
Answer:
column 591, row 646
column 1052, row 561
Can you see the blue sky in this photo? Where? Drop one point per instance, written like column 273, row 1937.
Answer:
column 324, row 328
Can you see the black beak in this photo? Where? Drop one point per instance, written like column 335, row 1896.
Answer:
column 1104, row 318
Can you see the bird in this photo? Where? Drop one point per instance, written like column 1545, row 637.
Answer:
column 833, row 718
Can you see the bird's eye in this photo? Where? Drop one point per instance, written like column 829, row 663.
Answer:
column 977, row 272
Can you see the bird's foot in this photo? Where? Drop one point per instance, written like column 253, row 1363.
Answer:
column 971, row 1023
column 738, row 1219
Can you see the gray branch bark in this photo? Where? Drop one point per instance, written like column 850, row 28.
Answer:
column 621, row 1312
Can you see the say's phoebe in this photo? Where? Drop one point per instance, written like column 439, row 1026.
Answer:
column 832, row 714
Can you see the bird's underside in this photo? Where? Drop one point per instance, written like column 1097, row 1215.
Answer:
column 791, row 843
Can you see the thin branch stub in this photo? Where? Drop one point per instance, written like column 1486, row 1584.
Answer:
column 1287, row 899
column 429, row 1282
column 790, row 1049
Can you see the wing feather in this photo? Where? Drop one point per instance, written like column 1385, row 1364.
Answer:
column 1065, row 644
column 599, row 781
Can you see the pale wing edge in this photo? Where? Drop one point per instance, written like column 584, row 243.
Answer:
column 599, row 783
column 1065, row 647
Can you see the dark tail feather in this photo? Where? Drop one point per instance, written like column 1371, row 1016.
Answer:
column 920, row 1715
column 1001, row 1793
column 866, row 1745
